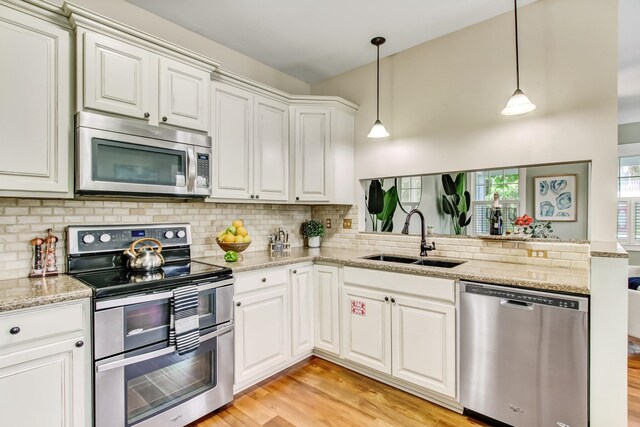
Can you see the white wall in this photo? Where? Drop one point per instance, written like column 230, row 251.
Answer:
column 231, row 60
column 441, row 100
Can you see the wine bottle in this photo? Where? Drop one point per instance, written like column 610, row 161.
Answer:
column 495, row 217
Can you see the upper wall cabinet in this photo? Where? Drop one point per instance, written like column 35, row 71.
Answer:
column 129, row 73
column 35, row 113
column 323, row 147
column 250, row 145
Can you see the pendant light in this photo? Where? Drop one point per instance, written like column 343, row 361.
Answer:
column 519, row 103
column 378, row 130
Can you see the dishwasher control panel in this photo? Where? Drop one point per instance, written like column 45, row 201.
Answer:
column 525, row 298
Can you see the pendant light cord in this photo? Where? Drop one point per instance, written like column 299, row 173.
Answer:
column 515, row 12
column 378, row 85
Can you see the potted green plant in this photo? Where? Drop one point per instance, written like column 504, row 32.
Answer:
column 314, row 230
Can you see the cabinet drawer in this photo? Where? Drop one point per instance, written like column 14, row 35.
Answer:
column 40, row 323
column 260, row 279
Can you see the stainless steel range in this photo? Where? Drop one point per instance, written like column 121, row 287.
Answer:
column 140, row 377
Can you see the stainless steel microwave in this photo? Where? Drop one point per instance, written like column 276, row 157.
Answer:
column 122, row 157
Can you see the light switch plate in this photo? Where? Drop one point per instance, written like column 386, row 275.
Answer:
column 346, row 224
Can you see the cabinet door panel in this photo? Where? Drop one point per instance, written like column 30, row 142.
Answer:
column 327, row 309
column 46, row 386
column 366, row 333
column 231, row 131
column 116, row 77
column 184, row 95
column 271, row 145
column 302, row 310
column 34, row 112
column 262, row 334
column 312, row 136
column 424, row 344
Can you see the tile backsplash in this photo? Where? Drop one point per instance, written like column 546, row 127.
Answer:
column 23, row 219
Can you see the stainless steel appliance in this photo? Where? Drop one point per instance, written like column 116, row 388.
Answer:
column 524, row 355
column 139, row 378
column 123, row 157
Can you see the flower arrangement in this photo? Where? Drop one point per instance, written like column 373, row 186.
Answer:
column 531, row 227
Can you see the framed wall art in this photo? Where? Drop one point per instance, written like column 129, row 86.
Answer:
column 556, row 198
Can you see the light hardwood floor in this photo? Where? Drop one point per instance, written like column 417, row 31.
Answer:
column 319, row 393
column 633, row 389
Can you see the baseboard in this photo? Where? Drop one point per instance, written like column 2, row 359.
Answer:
column 393, row 382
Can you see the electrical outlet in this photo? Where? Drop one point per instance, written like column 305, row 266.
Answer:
column 346, row 224
column 534, row 253
column 328, row 221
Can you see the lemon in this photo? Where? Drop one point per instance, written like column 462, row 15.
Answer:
column 229, row 238
column 241, row 231
column 237, row 223
column 239, row 239
column 221, row 235
column 246, row 239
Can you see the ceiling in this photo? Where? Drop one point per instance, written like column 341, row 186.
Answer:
column 315, row 40
column 628, row 62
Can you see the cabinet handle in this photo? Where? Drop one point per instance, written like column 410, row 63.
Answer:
column 14, row 331
column 79, row 344
column 295, row 271
column 252, row 196
column 146, row 115
column 393, row 300
column 238, row 303
column 264, row 279
column 257, row 196
column 386, row 299
column 297, row 198
column 164, row 118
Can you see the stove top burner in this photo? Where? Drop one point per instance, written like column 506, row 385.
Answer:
column 124, row 281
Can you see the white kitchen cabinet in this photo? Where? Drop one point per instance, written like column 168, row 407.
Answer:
column 424, row 343
column 35, row 114
column 127, row 79
column 45, row 365
column 366, row 328
column 302, row 315
column 263, row 337
column 326, row 296
column 251, row 145
column 323, row 142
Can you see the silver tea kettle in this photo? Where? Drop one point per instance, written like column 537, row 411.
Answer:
column 146, row 258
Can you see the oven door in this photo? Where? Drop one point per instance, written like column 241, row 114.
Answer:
column 111, row 162
column 125, row 324
column 158, row 387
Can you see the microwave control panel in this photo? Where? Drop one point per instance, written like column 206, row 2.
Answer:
column 202, row 170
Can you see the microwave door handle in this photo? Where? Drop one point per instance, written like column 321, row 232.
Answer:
column 191, row 170
column 162, row 352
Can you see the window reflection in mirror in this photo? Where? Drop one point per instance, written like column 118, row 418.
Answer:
column 516, row 191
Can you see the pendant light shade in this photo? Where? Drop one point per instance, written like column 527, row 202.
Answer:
column 378, row 130
column 519, row 103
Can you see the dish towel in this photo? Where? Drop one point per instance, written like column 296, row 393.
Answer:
column 184, row 331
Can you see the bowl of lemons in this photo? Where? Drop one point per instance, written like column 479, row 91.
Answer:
column 234, row 238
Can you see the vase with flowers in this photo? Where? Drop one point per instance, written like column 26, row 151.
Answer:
column 525, row 226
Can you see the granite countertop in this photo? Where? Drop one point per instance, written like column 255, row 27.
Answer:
column 26, row 292
column 519, row 275
column 608, row 250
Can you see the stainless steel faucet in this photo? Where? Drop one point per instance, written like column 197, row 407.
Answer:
column 423, row 243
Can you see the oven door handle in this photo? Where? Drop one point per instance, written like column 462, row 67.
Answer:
column 211, row 285
column 138, row 299
column 162, row 352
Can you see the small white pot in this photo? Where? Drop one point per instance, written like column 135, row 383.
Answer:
column 314, row 242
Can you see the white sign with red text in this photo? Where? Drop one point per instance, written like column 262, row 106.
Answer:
column 359, row 308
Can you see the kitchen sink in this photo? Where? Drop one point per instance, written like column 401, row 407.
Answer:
column 429, row 262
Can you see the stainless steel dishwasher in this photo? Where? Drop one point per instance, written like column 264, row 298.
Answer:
column 524, row 355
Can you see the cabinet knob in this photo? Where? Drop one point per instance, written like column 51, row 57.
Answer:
column 297, row 198
column 146, row 115
column 264, row 279
column 252, row 196
column 386, row 299
column 257, row 196
column 393, row 300
column 14, row 331
column 295, row 271
column 79, row 344
column 164, row 118
column 238, row 303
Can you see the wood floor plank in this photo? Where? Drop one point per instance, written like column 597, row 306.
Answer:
column 278, row 421
column 255, row 409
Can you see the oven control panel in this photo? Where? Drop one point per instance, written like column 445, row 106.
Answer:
column 104, row 238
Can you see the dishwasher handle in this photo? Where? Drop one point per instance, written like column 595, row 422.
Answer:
column 505, row 302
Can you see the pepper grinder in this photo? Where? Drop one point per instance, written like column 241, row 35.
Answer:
column 50, row 262
column 37, row 267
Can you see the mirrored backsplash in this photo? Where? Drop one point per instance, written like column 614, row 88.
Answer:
column 554, row 199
